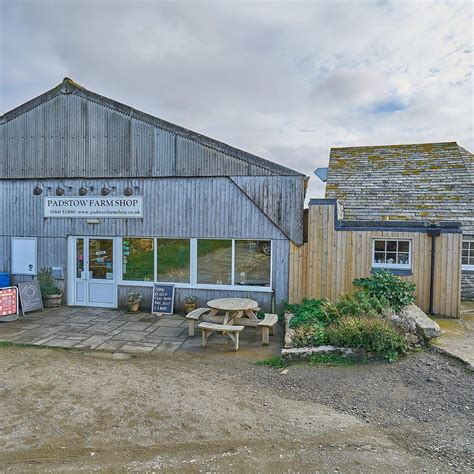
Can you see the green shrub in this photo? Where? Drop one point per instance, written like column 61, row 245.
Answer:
column 308, row 313
column 310, row 335
column 384, row 285
column 46, row 283
column 372, row 334
column 361, row 303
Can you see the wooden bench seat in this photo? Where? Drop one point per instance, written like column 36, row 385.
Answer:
column 267, row 324
column 193, row 316
column 231, row 330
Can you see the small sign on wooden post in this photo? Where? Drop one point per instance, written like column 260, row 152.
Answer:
column 30, row 296
column 163, row 299
column 8, row 304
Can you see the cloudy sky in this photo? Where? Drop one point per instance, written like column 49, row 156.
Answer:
column 283, row 80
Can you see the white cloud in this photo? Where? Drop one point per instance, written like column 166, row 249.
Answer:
column 283, row 80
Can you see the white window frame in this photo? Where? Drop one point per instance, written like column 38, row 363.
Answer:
column 471, row 245
column 394, row 266
column 193, row 267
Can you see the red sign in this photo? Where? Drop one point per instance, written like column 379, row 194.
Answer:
column 8, row 301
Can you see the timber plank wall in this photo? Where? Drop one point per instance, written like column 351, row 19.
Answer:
column 327, row 264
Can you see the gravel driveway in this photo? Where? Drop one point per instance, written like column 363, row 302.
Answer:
column 65, row 411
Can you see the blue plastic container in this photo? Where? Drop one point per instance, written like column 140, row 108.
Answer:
column 4, row 279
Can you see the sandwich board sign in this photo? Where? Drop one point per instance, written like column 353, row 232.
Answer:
column 163, row 299
column 30, row 296
column 8, row 304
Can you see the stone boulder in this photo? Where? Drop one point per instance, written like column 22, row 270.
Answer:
column 289, row 333
column 415, row 321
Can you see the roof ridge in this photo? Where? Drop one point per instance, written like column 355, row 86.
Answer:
column 68, row 86
column 393, row 146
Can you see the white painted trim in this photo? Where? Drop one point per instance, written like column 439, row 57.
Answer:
column 393, row 266
column 261, row 289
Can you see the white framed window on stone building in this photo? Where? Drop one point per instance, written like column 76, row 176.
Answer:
column 391, row 253
column 467, row 255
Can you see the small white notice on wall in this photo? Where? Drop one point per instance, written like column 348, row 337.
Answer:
column 24, row 256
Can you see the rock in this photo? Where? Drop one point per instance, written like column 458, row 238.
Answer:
column 289, row 333
column 424, row 326
column 302, row 353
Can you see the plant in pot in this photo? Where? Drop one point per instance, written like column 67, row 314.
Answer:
column 133, row 301
column 51, row 294
column 190, row 303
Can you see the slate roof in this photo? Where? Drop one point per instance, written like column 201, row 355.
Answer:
column 430, row 181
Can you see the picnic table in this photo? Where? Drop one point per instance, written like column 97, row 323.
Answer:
column 235, row 308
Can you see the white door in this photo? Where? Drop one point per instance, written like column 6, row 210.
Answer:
column 94, row 272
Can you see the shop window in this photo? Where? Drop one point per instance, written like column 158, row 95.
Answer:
column 138, row 259
column 468, row 255
column 173, row 260
column 214, row 261
column 252, row 262
column 391, row 254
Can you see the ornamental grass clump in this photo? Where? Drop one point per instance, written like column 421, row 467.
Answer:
column 386, row 286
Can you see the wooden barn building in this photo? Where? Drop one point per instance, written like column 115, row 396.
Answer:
column 114, row 199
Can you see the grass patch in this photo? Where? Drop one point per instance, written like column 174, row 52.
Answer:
column 274, row 362
column 335, row 359
column 7, row 344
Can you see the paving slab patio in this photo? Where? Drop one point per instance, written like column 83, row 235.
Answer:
column 116, row 331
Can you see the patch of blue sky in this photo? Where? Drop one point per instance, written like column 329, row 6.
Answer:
column 388, row 106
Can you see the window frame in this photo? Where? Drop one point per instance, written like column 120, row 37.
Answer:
column 393, row 266
column 193, row 266
column 470, row 248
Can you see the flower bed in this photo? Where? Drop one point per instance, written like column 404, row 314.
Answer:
column 373, row 321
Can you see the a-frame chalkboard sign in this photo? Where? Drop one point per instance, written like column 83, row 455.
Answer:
column 30, row 296
column 163, row 299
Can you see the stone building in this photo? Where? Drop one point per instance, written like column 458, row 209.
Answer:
column 431, row 182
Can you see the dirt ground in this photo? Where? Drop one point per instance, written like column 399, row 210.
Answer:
column 64, row 411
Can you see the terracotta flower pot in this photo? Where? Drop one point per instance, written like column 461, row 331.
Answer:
column 133, row 307
column 188, row 307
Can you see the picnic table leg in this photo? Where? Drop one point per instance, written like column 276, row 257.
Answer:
column 265, row 335
column 204, row 338
column 236, row 341
column 191, row 328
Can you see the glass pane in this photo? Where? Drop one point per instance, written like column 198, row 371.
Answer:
column 379, row 257
column 101, row 259
column 380, row 245
column 403, row 258
column 173, row 260
column 137, row 259
column 465, row 245
column 391, row 257
column 403, row 246
column 465, row 253
column 214, row 261
column 79, row 258
column 252, row 262
column 465, row 261
column 391, row 245
column 471, row 252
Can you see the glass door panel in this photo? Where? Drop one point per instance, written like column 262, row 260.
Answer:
column 80, row 258
column 101, row 259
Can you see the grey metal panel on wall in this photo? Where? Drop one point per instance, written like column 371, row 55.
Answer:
column 173, row 207
column 281, row 198
column 281, row 270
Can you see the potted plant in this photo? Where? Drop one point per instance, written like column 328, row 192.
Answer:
column 133, row 301
column 51, row 294
column 190, row 303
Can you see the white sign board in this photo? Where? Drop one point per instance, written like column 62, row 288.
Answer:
column 121, row 207
column 24, row 256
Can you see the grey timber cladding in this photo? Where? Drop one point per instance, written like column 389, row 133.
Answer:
column 430, row 182
column 72, row 132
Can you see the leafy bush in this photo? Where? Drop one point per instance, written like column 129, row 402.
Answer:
column 372, row 334
column 275, row 362
column 384, row 285
column 311, row 335
column 361, row 303
column 46, row 283
column 310, row 312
